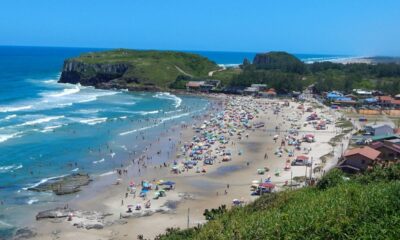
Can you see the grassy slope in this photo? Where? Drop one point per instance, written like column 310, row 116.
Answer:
column 364, row 208
column 226, row 76
column 153, row 67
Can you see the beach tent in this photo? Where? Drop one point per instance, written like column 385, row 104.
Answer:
column 267, row 185
column 170, row 183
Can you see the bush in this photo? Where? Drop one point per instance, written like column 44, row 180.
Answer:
column 331, row 179
column 337, row 209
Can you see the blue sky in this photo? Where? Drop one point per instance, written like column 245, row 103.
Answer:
column 362, row 27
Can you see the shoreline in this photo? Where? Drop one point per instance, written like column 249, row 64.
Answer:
column 39, row 201
column 193, row 190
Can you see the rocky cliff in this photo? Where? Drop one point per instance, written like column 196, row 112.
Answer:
column 91, row 73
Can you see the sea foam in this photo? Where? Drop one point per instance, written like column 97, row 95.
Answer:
column 14, row 108
column 169, row 96
column 93, row 121
column 41, row 120
column 10, row 168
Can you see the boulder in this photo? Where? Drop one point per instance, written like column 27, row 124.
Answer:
column 64, row 185
column 54, row 213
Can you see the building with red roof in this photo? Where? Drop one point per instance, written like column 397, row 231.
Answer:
column 358, row 159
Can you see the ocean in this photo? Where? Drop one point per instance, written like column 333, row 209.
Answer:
column 48, row 129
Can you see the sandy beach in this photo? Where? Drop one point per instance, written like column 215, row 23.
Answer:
column 239, row 151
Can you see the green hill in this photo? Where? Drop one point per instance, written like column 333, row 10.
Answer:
column 134, row 69
column 279, row 61
column 364, row 207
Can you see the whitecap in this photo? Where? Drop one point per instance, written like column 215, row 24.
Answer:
column 50, row 128
column 14, row 108
column 10, row 117
column 5, row 137
column 99, row 161
column 64, row 92
column 44, row 180
column 51, row 81
column 75, row 170
column 41, row 120
column 10, row 168
column 32, row 201
column 144, row 113
column 154, row 125
column 93, row 121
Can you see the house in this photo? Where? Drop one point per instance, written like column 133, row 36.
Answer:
column 358, row 159
column 378, row 129
column 380, row 138
column 203, row 86
column 250, row 91
column 233, row 90
column 389, row 150
column 261, row 87
column 385, row 101
column 194, row 85
column 370, row 100
column 269, row 94
column 333, row 96
column 362, row 92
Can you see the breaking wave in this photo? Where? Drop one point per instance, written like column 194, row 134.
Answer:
column 10, row 168
column 169, row 96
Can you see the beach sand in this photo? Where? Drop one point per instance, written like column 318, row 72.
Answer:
column 195, row 192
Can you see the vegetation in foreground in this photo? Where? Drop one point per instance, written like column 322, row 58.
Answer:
column 339, row 207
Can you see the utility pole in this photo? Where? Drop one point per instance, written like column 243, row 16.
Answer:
column 188, row 217
column 311, row 168
column 306, row 175
column 291, row 177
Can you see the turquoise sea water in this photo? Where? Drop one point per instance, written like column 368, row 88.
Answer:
column 49, row 129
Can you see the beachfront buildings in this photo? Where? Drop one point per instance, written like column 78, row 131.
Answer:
column 202, row 86
column 358, row 159
column 390, row 149
column 378, row 130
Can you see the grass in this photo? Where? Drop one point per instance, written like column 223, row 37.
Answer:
column 151, row 67
column 344, row 124
column 364, row 207
column 325, row 157
column 226, row 76
column 336, row 139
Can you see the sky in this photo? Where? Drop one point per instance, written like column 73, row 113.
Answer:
column 356, row 27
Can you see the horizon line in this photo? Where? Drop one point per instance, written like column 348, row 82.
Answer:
column 180, row 50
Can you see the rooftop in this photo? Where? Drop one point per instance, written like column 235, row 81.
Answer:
column 366, row 151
